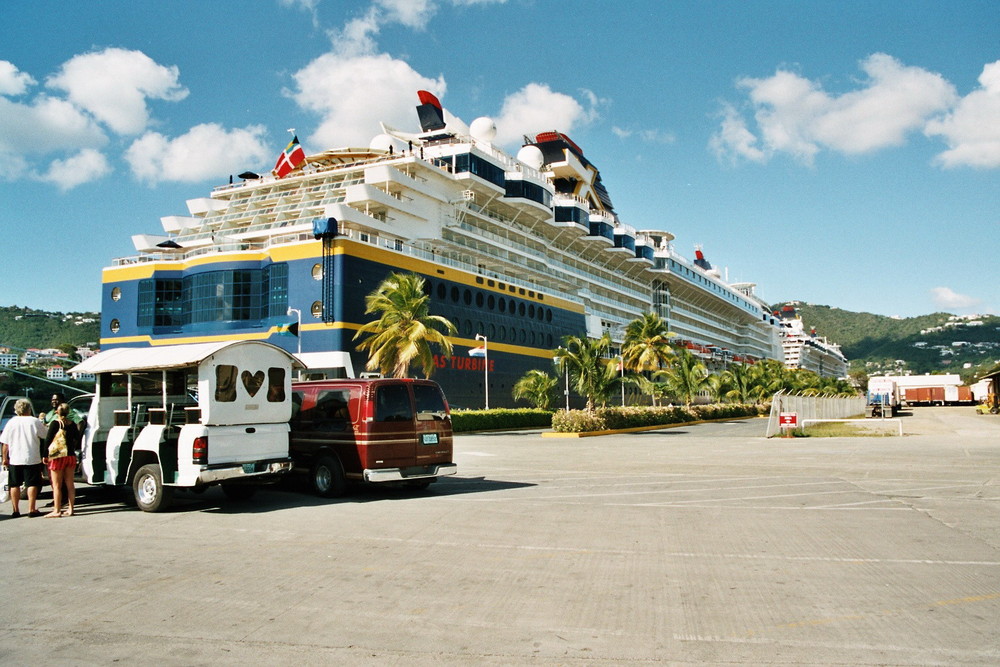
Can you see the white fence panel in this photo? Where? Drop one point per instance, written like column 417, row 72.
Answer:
column 813, row 407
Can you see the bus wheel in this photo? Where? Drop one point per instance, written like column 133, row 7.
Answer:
column 150, row 494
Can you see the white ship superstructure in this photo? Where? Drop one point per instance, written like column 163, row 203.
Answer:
column 808, row 350
column 523, row 250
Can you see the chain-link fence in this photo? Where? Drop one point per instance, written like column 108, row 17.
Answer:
column 813, row 407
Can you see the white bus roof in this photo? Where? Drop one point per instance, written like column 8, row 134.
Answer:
column 131, row 359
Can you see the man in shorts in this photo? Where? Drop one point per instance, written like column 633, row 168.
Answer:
column 21, row 442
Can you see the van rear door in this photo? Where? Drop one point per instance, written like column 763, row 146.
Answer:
column 434, row 436
column 392, row 440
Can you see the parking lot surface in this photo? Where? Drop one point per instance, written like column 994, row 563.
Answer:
column 703, row 544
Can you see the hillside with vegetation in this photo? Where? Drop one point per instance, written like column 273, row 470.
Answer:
column 935, row 343
column 23, row 328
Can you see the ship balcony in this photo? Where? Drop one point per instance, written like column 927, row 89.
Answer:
column 643, row 253
column 602, row 229
column 362, row 194
column 624, row 243
column 202, row 206
column 173, row 224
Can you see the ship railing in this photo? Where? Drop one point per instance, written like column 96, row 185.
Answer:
column 550, row 261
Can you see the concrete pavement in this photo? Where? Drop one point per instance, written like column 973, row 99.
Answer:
column 699, row 545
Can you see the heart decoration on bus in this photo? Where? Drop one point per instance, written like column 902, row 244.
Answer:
column 253, row 382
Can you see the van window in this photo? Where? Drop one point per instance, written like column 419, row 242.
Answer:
column 275, row 385
column 328, row 414
column 428, row 398
column 225, row 383
column 392, row 403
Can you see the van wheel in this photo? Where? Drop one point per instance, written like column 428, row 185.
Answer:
column 239, row 492
column 150, row 494
column 327, row 477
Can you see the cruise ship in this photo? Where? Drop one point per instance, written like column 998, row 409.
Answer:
column 517, row 251
column 807, row 350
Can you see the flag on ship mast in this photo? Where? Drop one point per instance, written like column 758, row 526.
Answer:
column 292, row 157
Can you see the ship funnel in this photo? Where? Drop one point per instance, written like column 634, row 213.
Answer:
column 430, row 112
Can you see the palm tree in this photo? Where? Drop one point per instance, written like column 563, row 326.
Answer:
column 536, row 387
column 647, row 344
column 646, row 347
column 686, row 377
column 589, row 369
column 739, row 381
column 405, row 331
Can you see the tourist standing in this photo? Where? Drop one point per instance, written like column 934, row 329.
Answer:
column 22, row 441
column 61, row 443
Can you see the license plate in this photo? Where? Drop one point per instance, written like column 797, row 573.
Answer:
column 248, row 468
column 430, row 438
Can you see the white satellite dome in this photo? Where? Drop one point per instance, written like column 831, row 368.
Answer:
column 383, row 142
column 531, row 156
column 483, row 129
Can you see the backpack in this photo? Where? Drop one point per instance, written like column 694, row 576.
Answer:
column 58, row 447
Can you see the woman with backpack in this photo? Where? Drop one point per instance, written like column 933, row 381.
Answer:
column 61, row 442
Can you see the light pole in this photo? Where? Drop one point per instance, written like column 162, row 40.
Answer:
column 621, row 368
column 486, row 367
column 298, row 328
column 566, row 371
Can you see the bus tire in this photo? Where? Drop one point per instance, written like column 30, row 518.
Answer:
column 150, row 493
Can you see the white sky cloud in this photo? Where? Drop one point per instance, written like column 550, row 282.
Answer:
column 945, row 297
column 12, row 80
column 537, row 108
column 44, row 125
column 115, row 84
column 352, row 94
column 796, row 116
column 87, row 165
column 972, row 129
column 205, row 151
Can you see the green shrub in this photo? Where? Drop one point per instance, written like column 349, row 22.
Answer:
column 499, row 419
column 615, row 418
column 578, row 421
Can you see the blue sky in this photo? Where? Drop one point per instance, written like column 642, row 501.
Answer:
column 840, row 153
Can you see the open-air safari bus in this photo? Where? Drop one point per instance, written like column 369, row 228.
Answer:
column 188, row 416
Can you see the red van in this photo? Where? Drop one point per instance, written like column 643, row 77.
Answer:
column 370, row 430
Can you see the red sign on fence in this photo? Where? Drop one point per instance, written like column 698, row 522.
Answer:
column 788, row 420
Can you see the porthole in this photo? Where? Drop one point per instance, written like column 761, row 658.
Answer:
column 520, row 309
column 115, row 326
column 316, row 309
column 548, row 314
column 116, row 294
column 479, row 299
column 317, row 272
column 454, row 294
column 493, row 331
column 503, row 333
column 442, row 291
column 503, row 305
column 532, row 337
column 467, row 327
column 490, row 302
column 467, row 297
column 428, row 288
column 524, row 336
column 531, row 311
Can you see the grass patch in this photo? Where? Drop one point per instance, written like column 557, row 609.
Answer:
column 846, row 429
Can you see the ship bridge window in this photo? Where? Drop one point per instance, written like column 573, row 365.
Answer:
column 473, row 164
column 529, row 190
column 214, row 296
column 572, row 214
